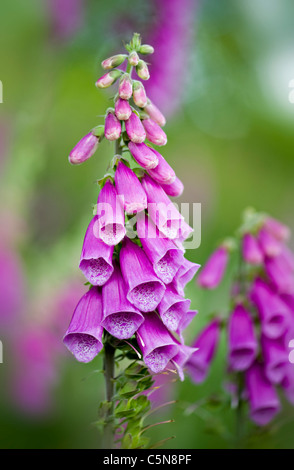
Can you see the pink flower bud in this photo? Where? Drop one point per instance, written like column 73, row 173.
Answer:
column 84, row 149
column 122, row 109
column 155, row 114
column 154, row 132
column 143, row 155
column 139, row 94
column 142, row 70
column 213, row 271
column 174, row 189
column 251, row 251
column 113, row 61
column 277, row 229
column 125, row 88
column 135, row 129
column 108, row 79
column 112, row 127
column 133, row 59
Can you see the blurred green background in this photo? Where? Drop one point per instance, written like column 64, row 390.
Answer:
column 231, row 142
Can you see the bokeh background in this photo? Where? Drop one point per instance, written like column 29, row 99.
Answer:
column 222, row 73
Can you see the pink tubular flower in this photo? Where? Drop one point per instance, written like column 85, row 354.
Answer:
column 185, row 322
column 139, row 94
column 129, row 187
column 155, row 114
column 251, row 251
column 206, row 343
column 174, row 189
column 269, row 245
column 212, row 273
column 275, row 359
column 135, row 129
column 145, row 290
column 125, row 89
column 143, row 155
column 182, row 357
column 84, row 334
column 154, row 132
column 84, row 149
column 172, row 308
column 108, row 79
column 122, row 109
column 120, row 318
column 273, row 312
column 184, row 275
column 166, row 259
column 277, row 229
column 96, row 257
column 280, row 272
column 163, row 173
column 112, row 127
column 263, row 399
column 110, row 225
column 242, row 341
column 156, row 343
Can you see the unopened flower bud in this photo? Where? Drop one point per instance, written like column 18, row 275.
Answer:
column 146, row 49
column 108, row 79
column 84, row 149
column 125, row 88
column 122, row 109
column 155, row 114
column 112, row 127
column 139, row 94
column 154, row 132
column 135, row 129
column 142, row 70
column 133, row 59
column 113, row 61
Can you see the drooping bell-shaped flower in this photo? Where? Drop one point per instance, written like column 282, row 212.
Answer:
column 172, row 308
column 108, row 79
column 206, row 342
column 275, row 358
column 273, row 312
column 110, row 225
column 154, row 132
column 145, row 290
column 213, row 271
column 84, row 334
column 185, row 322
column 242, row 343
column 163, row 173
column 112, row 127
column 129, row 187
column 120, row 318
column 125, row 89
column 268, row 243
column 184, row 275
column 165, row 257
column 156, row 343
column 251, row 251
column 182, row 357
column 139, row 94
column 263, row 399
column 280, row 272
column 143, row 155
column 161, row 210
column 84, row 149
column 155, row 114
column 122, row 109
column 174, row 189
column 277, row 229
column 96, row 257
column 135, row 129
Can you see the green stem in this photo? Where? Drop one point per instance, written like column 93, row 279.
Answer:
column 108, row 435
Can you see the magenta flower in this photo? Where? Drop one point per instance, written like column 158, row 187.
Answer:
column 110, row 225
column 275, row 359
column 182, row 357
column 125, row 89
column 156, row 343
column 155, row 114
column 143, row 155
column 212, row 273
column 172, row 308
column 251, row 251
column 84, row 334
column 242, row 343
column 108, row 79
column 184, row 275
column 84, row 149
column 120, row 318
column 113, row 61
column 139, row 94
column 129, row 187
column 269, row 244
column 280, row 273
column 185, row 322
column 122, row 109
column 173, row 189
column 135, row 129
column 145, row 290
column 277, row 229
column 165, row 257
column 273, row 312
column 96, row 257
column 154, row 132
column 263, row 399
column 206, row 343
column 112, row 127
column 163, row 172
